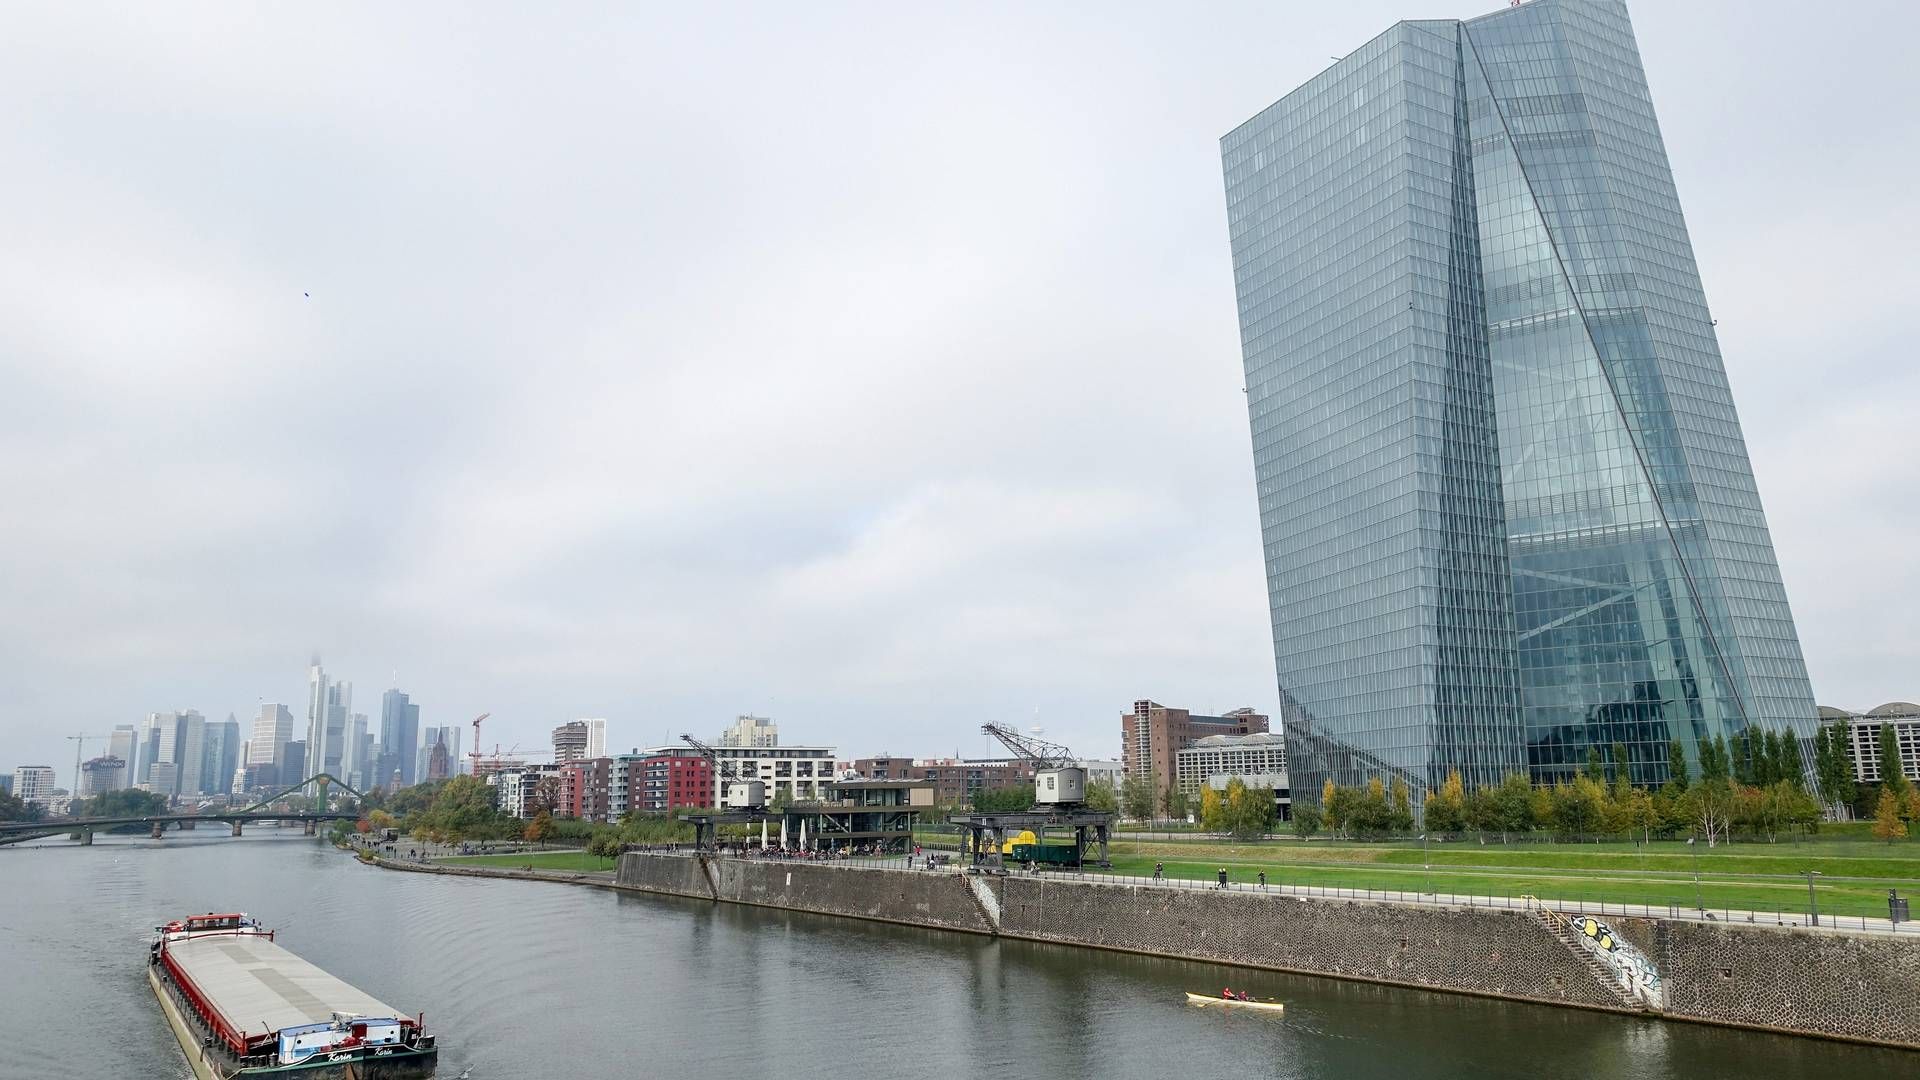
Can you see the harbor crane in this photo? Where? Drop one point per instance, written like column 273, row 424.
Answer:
column 1059, row 802
column 1043, row 754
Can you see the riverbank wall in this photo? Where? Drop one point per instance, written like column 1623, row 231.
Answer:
column 1863, row 988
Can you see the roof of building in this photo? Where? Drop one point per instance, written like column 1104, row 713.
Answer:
column 1828, row 712
column 1896, row 708
column 900, row 782
column 1228, row 742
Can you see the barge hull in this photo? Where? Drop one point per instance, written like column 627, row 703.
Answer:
column 207, row 1062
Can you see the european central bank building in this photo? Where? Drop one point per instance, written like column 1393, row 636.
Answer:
column 1507, row 510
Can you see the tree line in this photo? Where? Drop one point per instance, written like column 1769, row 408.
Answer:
column 1754, row 785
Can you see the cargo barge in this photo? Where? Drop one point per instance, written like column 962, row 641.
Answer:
column 242, row 1006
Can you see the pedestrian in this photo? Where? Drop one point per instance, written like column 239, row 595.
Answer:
column 1223, row 877
column 1263, row 880
column 1159, row 870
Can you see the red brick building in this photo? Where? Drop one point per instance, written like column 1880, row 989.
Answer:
column 586, row 790
column 1152, row 734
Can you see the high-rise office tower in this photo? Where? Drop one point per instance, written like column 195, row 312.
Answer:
column 1507, row 509
column 124, row 744
column 570, row 742
column 399, row 737
column 353, row 759
column 219, row 754
column 272, row 731
column 189, row 751
column 319, row 698
column 148, row 751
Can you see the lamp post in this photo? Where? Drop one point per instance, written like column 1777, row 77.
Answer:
column 1813, row 902
column 1428, row 860
column 1696, row 874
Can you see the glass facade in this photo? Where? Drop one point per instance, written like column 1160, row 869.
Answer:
column 1507, row 509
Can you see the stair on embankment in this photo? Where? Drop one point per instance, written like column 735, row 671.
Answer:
column 1569, row 938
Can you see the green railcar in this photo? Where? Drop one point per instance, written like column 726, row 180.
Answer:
column 1046, row 854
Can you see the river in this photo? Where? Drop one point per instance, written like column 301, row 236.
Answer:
column 531, row 980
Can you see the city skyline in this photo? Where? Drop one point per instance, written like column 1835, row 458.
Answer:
column 937, row 421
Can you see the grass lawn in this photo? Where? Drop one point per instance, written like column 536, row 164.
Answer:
column 1718, row 889
column 539, row 860
column 1895, row 863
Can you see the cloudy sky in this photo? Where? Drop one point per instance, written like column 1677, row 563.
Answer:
column 874, row 367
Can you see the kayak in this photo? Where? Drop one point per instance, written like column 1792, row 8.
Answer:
column 1204, row 1000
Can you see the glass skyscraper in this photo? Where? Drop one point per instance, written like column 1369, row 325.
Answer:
column 1507, row 509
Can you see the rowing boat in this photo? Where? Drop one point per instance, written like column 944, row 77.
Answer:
column 1204, row 1000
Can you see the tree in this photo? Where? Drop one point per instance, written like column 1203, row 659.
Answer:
column 1400, row 815
column 1595, row 771
column 1136, row 795
column 1103, row 796
column 1213, row 809
column 1370, row 817
column 122, row 802
column 14, row 808
column 540, row 829
column 1709, row 804
column 1892, row 777
column 1333, row 805
column 1513, row 803
column 1677, row 778
column 1622, row 771
column 1245, row 812
column 463, row 809
column 1742, row 763
column 605, row 845
column 1446, row 809
column 1713, row 759
column 1306, row 820
column 1578, row 807
column 1178, row 804
column 1791, row 768
column 1886, row 818
column 1833, row 765
column 1637, row 812
column 1003, row 800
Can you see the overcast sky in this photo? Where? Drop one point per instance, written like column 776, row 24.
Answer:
column 873, row 367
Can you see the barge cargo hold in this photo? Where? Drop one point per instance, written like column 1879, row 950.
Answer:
column 242, row 1006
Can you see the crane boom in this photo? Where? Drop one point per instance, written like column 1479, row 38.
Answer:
column 722, row 767
column 1043, row 754
column 473, row 755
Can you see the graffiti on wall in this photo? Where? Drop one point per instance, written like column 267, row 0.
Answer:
column 1636, row 973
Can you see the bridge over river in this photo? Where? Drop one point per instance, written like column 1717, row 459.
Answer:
column 82, row 829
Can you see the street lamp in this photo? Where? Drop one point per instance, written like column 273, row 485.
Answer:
column 1813, row 902
column 1696, row 874
column 1428, row 860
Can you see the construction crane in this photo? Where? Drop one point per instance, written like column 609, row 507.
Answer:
column 474, row 754
column 79, row 750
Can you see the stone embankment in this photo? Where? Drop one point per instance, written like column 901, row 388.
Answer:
column 1864, row 988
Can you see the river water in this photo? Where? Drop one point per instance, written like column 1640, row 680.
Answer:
column 524, row 979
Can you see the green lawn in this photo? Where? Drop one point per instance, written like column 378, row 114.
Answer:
column 540, row 860
column 1717, row 889
column 1843, row 858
